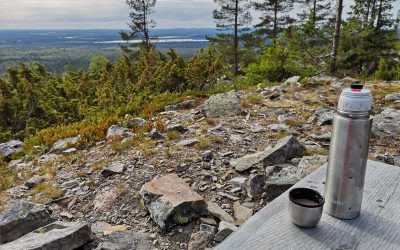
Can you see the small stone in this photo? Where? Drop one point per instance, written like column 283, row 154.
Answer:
column 208, row 221
column 218, row 212
column 278, row 127
column 231, row 197
column 238, row 182
column 255, row 186
column 118, row 228
column 104, row 201
column 8, row 148
column 200, row 240
column 224, row 230
column 34, row 181
column 70, row 151
column 207, row 155
column 155, row 135
column 188, row 143
column 223, row 105
column 126, row 240
column 241, row 213
column 113, row 168
column 118, row 131
column 207, row 228
column 176, row 128
column 257, row 128
column 67, row 215
column 70, row 184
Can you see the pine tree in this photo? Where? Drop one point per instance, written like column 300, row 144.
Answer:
column 141, row 22
column 233, row 15
column 274, row 17
column 314, row 11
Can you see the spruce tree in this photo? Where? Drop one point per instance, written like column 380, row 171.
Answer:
column 274, row 17
column 141, row 22
column 314, row 11
column 233, row 15
column 336, row 36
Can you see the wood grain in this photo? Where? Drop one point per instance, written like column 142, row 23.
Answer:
column 378, row 226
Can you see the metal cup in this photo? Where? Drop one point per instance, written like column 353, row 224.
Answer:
column 305, row 206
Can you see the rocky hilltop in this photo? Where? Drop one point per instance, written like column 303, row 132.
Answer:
column 188, row 177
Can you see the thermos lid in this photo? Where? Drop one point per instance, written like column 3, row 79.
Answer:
column 356, row 98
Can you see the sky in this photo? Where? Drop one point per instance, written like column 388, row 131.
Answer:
column 106, row 14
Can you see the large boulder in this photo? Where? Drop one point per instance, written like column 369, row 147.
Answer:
column 20, row 218
column 126, row 240
column 10, row 147
column 387, row 123
column 65, row 143
column 58, row 235
column 170, row 201
column 283, row 150
column 322, row 116
column 223, row 105
column 392, row 97
column 116, row 131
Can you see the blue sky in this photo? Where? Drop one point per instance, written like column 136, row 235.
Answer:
column 106, row 14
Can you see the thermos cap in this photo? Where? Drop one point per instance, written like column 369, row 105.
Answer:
column 355, row 99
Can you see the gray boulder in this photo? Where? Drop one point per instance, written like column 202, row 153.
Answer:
column 218, row 212
column 155, row 135
column 255, row 186
column 20, row 218
column 113, row 168
column 126, row 240
column 387, row 123
column 58, row 235
column 292, row 80
column 309, row 164
column 65, row 143
column 135, row 122
column 176, row 128
column 322, row 116
column 182, row 105
column 33, row 181
column 200, row 240
column 224, row 230
column 118, row 131
column 10, row 147
column 392, row 97
column 223, row 105
column 170, row 201
column 284, row 150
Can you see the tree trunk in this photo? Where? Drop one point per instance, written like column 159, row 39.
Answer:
column 275, row 32
column 235, row 41
column 379, row 20
column 336, row 36
column 314, row 13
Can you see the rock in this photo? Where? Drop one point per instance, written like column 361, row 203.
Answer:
column 20, row 218
column 47, row 158
column 136, row 122
column 219, row 213
column 208, row 221
column 322, row 116
column 241, row 213
column 292, row 80
column 176, row 128
column 392, row 97
column 387, row 123
column 32, row 182
column 188, row 143
column 65, row 143
column 274, row 188
column 311, row 163
column 223, row 105
column 285, row 149
column 278, row 127
column 70, row 151
column 182, row 105
column 231, row 197
column 255, row 186
column 67, row 215
column 113, row 168
column 207, row 155
column 348, row 80
column 238, row 182
column 170, row 201
column 207, row 228
column 338, row 85
column 118, row 131
column 235, row 139
column 257, row 128
column 224, row 230
column 10, row 147
column 99, row 227
column 270, row 112
column 58, row 235
column 154, row 134
column 126, row 240
column 285, row 117
column 322, row 78
column 104, row 200
column 70, row 184
column 322, row 136
column 180, row 168
column 112, row 229
column 200, row 240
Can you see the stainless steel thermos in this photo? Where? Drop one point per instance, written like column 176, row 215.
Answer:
column 348, row 153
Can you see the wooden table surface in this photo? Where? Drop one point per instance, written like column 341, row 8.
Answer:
column 378, row 226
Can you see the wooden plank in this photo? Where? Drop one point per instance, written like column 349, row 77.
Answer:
column 378, row 226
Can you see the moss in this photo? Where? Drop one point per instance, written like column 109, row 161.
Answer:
column 181, row 219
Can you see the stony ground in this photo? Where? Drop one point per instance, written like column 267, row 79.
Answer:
column 200, row 143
